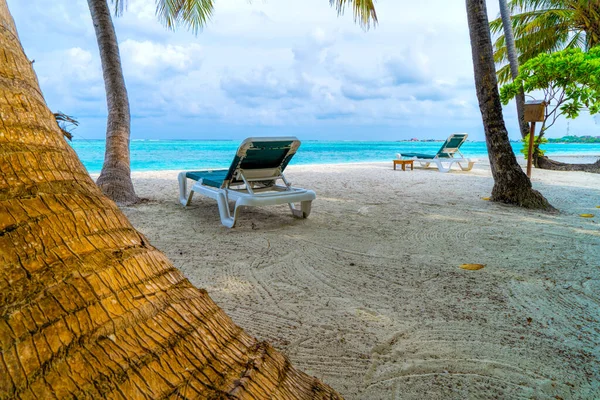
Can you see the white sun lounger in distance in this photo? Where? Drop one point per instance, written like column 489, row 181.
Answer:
column 251, row 179
column 444, row 155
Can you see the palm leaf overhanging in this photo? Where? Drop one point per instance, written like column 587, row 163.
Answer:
column 194, row 14
column 364, row 10
column 546, row 26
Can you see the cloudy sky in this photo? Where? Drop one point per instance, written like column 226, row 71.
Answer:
column 269, row 67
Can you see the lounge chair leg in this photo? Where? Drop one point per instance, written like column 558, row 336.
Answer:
column 304, row 210
column 468, row 167
column 306, row 207
column 224, row 212
column 184, row 198
column 236, row 208
column 441, row 166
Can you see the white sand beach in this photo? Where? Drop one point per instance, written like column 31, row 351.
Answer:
column 367, row 293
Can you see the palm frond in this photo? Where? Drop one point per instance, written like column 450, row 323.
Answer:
column 120, row 6
column 545, row 26
column 504, row 75
column 66, row 124
column 588, row 20
column 364, row 10
column 540, row 17
column 496, row 26
column 193, row 14
column 519, row 6
column 500, row 50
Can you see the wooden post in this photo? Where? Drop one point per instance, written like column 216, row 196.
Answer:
column 534, row 111
column 530, row 151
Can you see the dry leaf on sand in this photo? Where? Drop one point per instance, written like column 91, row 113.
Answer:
column 472, row 267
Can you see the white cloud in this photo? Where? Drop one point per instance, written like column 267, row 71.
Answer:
column 266, row 84
column 279, row 63
column 79, row 64
column 146, row 60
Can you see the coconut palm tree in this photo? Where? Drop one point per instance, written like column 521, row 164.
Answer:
column 511, row 185
column 115, row 177
column 88, row 308
column 513, row 63
column 545, row 26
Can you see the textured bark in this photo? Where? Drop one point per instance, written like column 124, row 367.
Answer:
column 589, row 19
column 513, row 61
column 546, row 163
column 511, row 185
column 115, row 177
column 88, row 308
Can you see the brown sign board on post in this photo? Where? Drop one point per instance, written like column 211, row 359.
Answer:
column 535, row 111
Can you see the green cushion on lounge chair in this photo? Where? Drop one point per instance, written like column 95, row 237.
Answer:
column 252, row 154
column 266, row 154
column 453, row 142
column 209, row 178
column 263, row 154
column 418, row 155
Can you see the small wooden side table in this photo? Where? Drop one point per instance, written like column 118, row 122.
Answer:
column 404, row 163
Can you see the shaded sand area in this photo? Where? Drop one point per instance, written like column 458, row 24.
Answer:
column 367, row 295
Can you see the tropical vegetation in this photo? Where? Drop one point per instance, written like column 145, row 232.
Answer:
column 546, row 26
column 575, row 139
column 569, row 81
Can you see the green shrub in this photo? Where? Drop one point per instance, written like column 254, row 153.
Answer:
column 537, row 141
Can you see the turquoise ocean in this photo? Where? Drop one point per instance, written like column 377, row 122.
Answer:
column 151, row 155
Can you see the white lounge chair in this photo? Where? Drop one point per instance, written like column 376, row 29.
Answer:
column 444, row 155
column 251, row 179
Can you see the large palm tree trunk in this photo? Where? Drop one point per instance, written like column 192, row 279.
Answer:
column 511, row 185
column 88, row 308
column 115, row 177
column 513, row 61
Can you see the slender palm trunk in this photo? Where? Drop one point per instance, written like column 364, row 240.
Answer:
column 513, row 61
column 115, row 177
column 511, row 185
column 88, row 308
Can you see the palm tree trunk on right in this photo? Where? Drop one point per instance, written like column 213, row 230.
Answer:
column 513, row 61
column 511, row 185
column 115, row 177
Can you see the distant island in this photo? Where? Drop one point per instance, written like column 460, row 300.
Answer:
column 564, row 139
column 575, row 139
column 420, row 140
